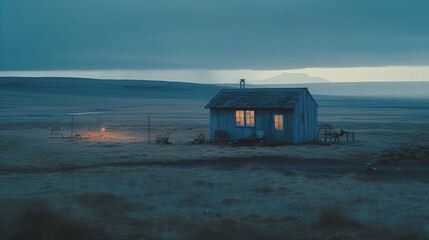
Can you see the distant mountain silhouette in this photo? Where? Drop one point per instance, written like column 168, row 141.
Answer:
column 286, row 78
column 377, row 89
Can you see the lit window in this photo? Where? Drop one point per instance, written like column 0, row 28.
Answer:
column 278, row 122
column 250, row 118
column 245, row 118
column 239, row 118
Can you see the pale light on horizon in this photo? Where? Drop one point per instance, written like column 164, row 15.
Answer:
column 354, row 74
column 359, row 74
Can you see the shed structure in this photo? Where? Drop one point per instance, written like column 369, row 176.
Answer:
column 276, row 115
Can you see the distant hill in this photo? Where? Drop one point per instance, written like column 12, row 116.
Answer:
column 290, row 78
column 149, row 89
column 108, row 88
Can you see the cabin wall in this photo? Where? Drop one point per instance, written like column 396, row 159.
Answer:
column 305, row 119
column 263, row 123
column 224, row 119
column 300, row 123
column 289, row 122
column 266, row 124
column 311, row 119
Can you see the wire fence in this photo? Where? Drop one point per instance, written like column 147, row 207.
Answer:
column 128, row 127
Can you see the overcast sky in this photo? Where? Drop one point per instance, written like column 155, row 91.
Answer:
column 222, row 35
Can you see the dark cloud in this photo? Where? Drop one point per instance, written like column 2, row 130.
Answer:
column 222, row 34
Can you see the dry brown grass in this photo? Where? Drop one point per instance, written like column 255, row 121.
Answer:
column 254, row 167
column 37, row 220
column 290, row 173
column 228, row 229
column 265, row 189
column 103, row 204
column 334, row 218
column 230, row 201
column 203, row 183
column 405, row 154
column 334, row 223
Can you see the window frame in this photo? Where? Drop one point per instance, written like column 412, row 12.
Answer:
column 277, row 122
column 246, row 119
column 242, row 120
column 249, row 117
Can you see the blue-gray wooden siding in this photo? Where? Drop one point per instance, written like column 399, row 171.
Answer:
column 305, row 119
column 300, row 123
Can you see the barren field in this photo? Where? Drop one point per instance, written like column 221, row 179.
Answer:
column 119, row 186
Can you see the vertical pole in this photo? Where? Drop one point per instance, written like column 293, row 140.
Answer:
column 148, row 129
column 242, row 83
column 99, row 126
column 71, row 126
column 325, row 134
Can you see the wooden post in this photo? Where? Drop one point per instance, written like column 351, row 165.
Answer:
column 71, row 134
column 148, row 129
column 325, row 134
column 99, row 126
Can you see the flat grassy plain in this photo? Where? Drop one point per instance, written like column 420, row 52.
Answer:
column 119, row 186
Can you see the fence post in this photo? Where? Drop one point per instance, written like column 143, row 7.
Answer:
column 99, row 126
column 148, row 129
column 71, row 133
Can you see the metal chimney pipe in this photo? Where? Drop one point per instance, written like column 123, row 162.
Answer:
column 242, row 83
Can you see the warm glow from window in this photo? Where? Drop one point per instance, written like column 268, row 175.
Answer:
column 250, row 118
column 278, row 122
column 239, row 118
column 245, row 118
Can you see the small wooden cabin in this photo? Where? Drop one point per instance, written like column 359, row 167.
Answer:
column 276, row 115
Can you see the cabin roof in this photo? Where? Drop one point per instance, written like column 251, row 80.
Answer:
column 256, row 98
